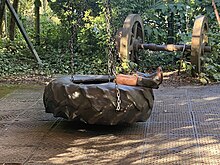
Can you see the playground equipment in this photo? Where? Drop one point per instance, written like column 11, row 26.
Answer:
column 98, row 99
column 130, row 39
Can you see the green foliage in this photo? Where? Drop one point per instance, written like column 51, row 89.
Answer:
column 211, row 66
column 14, row 60
column 82, row 23
column 211, row 61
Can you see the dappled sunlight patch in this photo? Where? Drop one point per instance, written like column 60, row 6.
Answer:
column 102, row 150
column 170, row 150
column 209, row 148
column 212, row 98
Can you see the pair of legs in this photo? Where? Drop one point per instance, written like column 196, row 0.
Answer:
column 156, row 77
column 141, row 79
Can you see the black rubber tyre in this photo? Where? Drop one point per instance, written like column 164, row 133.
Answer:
column 96, row 103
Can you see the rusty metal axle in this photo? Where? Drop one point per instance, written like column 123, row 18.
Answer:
column 170, row 47
column 130, row 39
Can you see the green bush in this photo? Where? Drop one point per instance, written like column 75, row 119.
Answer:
column 84, row 24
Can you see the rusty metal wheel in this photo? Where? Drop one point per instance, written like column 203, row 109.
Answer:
column 199, row 40
column 95, row 101
column 131, row 33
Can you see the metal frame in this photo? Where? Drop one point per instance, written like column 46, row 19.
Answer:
column 22, row 30
column 131, row 41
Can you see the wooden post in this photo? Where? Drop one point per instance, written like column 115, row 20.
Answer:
column 216, row 12
column 6, row 22
column 37, row 4
column 170, row 38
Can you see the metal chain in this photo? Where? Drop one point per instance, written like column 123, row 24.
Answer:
column 181, row 59
column 111, row 59
column 72, row 52
column 74, row 28
column 71, row 41
column 184, row 48
column 110, row 40
column 118, row 94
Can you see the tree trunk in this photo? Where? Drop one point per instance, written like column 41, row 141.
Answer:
column 170, row 38
column 2, row 10
column 216, row 12
column 37, row 4
column 12, row 22
column 45, row 3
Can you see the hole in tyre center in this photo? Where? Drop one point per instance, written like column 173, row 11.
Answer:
column 89, row 82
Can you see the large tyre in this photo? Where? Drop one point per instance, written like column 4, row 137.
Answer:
column 96, row 103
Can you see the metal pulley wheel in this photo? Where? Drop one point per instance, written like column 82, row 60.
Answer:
column 130, row 35
column 199, row 40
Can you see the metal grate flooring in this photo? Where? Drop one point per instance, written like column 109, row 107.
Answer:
column 184, row 128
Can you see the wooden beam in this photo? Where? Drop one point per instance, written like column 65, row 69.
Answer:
column 216, row 12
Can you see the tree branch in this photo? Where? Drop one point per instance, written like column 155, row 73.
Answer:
column 216, row 12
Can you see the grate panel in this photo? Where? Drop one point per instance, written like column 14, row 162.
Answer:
column 30, row 126
column 31, row 90
column 14, row 106
column 14, row 154
column 36, row 114
column 8, row 115
column 95, row 150
column 170, row 117
column 208, row 128
column 3, row 125
column 24, row 96
column 170, row 100
column 207, row 117
column 168, row 137
column 161, row 106
column 27, row 139
column 164, row 149
column 75, row 126
column 205, row 101
column 204, row 91
column 170, row 128
column 210, row 149
column 206, row 107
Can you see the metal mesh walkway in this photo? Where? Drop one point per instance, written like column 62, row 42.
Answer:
column 184, row 128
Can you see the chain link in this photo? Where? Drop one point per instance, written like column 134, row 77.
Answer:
column 74, row 28
column 118, row 94
column 71, row 40
column 111, row 52
column 181, row 59
column 72, row 53
column 110, row 40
